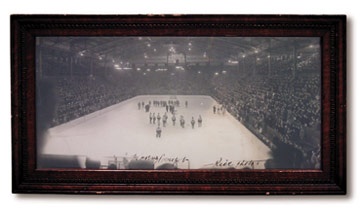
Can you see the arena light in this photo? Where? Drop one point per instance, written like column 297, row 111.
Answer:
column 189, row 48
column 199, row 72
column 233, row 62
column 172, row 49
column 179, row 68
column 204, row 55
column 148, row 70
column 224, row 72
column 243, row 56
column 154, row 49
column 82, row 53
column 216, row 73
column 160, row 69
column 148, row 44
column 138, row 69
column 117, row 67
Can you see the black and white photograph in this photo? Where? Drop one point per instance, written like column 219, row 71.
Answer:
column 112, row 102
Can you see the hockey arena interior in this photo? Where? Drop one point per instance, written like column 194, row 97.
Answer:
column 167, row 103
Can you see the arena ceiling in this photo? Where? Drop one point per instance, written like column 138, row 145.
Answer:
column 157, row 49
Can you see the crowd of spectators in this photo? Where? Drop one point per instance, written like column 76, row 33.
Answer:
column 281, row 107
column 79, row 96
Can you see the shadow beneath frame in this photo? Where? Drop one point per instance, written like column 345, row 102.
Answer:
column 177, row 198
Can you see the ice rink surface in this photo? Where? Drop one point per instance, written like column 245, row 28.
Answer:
column 123, row 130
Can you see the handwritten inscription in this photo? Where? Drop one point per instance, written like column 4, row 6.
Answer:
column 225, row 163
column 161, row 159
column 184, row 162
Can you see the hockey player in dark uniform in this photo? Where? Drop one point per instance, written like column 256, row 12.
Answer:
column 192, row 122
column 171, row 109
column 214, row 109
column 164, row 119
column 147, row 107
column 182, row 121
column 173, row 120
column 142, row 104
column 154, row 118
column 150, row 117
column 199, row 121
column 158, row 118
column 186, row 104
column 139, row 105
column 158, row 132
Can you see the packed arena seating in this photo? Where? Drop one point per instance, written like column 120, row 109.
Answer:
column 78, row 96
column 284, row 108
column 279, row 105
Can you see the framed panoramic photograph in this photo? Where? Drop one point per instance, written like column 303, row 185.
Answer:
column 179, row 104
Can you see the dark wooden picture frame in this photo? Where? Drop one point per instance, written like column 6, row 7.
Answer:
column 329, row 179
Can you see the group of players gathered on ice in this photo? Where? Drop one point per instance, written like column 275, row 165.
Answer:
column 169, row 106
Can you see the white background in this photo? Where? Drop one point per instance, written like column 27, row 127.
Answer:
column 53, row 202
